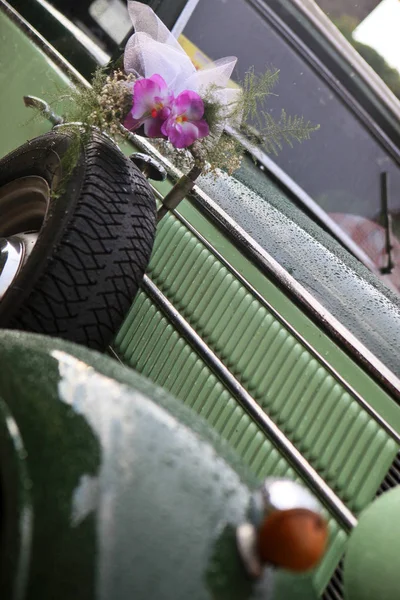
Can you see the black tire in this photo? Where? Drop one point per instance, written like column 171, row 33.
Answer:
column 93, row 246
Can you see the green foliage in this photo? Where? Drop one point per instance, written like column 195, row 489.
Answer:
column 103, row 106
column 256, row 89
column 70, row 158
column 287, row 129
column 84, row 102
column 226, row 154
column 250, row 107
column 269, row 133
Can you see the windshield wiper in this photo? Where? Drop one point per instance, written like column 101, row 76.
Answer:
column 387, row 223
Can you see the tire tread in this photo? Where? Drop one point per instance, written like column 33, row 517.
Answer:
column 94, row 272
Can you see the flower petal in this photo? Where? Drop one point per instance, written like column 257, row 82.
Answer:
column 130, row 123
column 145, row 92
column 166, row 126
column 182, row 135
column 203, row 128
column 190, row 104
column 164, row 113
column 161, row 83
column 152, row 127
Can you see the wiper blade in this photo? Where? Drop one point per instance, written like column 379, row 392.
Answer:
column 387, row 223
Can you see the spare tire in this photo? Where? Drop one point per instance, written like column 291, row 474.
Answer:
column 73, row 246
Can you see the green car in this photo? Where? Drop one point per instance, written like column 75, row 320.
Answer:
column 252, row 334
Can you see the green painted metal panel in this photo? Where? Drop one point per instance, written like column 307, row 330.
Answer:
column 24, row 70
column 111, row 488
column 339, row 360
column 328, row 425
column 371, row 565
column 154, row 346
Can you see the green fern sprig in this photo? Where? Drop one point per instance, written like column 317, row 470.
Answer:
column 263, row 130
column 256, row 89
column 287, row 129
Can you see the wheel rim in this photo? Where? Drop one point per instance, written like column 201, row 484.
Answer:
column 23, row 207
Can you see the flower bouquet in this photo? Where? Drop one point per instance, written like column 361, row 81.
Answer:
column 158, row 93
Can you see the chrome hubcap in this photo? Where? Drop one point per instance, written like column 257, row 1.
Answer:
column 11, row 256
column 23, row 206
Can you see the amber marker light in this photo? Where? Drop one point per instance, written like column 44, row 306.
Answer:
column 292, row 539
column 285, row 529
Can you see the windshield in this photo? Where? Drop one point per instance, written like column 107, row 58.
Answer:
column 343, row 165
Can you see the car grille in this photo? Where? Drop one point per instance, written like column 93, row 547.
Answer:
column 334, row 591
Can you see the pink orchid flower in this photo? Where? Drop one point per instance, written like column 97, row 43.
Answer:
column 185, row 124
column 152, row 103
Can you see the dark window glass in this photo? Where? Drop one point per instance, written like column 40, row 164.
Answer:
column 340, row 167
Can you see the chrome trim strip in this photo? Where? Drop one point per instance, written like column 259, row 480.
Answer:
column 101, row 57
column 335, row 374
column 113, row 354
column 43, row 44
column 332, row 502
column 184, row 17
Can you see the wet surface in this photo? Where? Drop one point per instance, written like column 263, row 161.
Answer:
column 338, row 281
column 130, row 495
